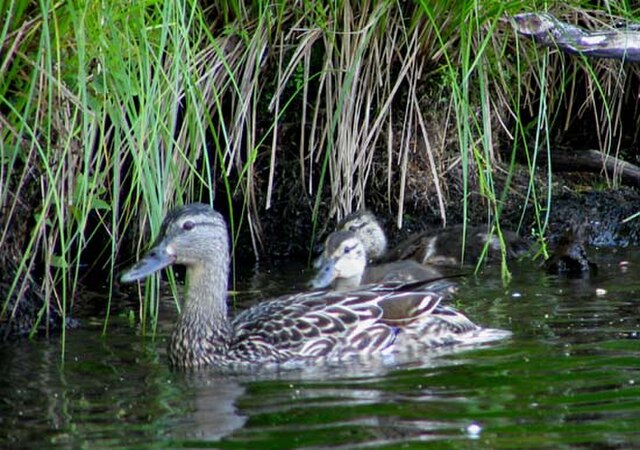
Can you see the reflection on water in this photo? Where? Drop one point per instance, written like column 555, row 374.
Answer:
column 568, row 377
column 214, row 412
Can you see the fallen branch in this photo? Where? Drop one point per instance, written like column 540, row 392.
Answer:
column 545, row 29
column 567, row 160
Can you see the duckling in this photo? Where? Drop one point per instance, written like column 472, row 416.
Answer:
column 568, row 255
column 365, row 225
column 294, row 328
column 345, row 266
column 435, row 247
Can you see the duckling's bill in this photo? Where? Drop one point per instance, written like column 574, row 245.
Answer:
column 158, row 258
column 326, row 274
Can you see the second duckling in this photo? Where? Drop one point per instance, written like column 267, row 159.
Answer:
column 344, row 266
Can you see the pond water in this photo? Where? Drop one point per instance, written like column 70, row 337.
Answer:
column 569, row 377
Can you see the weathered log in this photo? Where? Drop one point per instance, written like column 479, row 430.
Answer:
column 615, row 43
column 568, row 160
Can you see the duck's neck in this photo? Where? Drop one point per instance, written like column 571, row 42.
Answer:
column 343, row 284
column 203, row 329
column 375, row 243
column 206, row 297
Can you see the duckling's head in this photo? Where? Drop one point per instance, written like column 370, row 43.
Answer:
column 344, row 261
column 365, row 225
column 193, row 235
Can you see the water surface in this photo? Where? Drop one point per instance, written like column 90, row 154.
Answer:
column 567, row 378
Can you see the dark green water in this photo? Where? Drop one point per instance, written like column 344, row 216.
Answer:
column 568, row 378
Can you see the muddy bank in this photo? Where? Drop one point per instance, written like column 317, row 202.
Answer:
column 288, row 229
column 24, row 305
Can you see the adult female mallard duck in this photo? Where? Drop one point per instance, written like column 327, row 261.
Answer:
column 345, row 266
column 292, row 328
column 441, row 247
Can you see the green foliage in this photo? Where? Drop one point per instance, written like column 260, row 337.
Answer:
column 100, row 108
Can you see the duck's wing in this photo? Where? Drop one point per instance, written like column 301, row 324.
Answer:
column 406, row 271
column 425, row 322
column 332, row 324
column 314, row 324
column 479, row 238
column 517, row 245
column 411, row 248
column 415, row 307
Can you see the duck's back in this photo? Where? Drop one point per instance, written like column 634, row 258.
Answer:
column 337, row 324
column 405, row 271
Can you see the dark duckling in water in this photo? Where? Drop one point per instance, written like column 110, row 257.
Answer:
column 568, row 255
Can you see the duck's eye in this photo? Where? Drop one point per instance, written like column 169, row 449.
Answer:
column 188, row 225
column 347, row 250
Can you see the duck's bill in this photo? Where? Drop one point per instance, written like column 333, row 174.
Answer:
column 319, row 261
column 325, row 275
column 153, row 261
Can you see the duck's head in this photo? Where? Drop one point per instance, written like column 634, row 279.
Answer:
column 344, row 259
column 193, row 235
column 365, row 225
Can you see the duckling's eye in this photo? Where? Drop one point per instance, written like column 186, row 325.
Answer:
column 347, row 250
column 188, row 225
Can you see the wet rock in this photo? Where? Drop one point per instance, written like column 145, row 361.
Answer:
column 603, row 213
